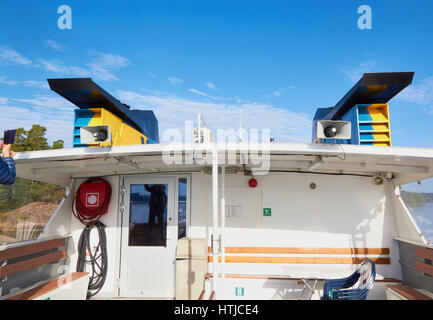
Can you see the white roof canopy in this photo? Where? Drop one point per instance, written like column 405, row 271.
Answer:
column 59, row 166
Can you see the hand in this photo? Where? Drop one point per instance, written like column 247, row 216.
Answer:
column 7, row 152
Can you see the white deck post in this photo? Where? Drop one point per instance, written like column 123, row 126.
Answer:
column 215, row 218
column 223, row 224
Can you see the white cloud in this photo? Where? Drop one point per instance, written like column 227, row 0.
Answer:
column 200, row 93
column 3, row 100
column 423, row 220
column 103, row 65
column 355, row 73
column 9, row 56
column 47, row 104
column 25, row 83
column 420, row 94
column 172, row 112
column 100, row 68
column 174, row 80
column 58, row 67
column 33, row 83
column 54, row 45
column 211, row 86
column 59, row 124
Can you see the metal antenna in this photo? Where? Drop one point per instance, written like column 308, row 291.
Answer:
column 240, row 125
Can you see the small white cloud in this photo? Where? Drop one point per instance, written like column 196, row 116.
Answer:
column 54, row 45
column 103, row 65
column 277, row 93
column 33, row 83
column 9, row 56
column 200, row 93
column 50, row 102
column 355, row 73
column 211, row 86
column 25, row 83
column 3, row 100
column 174, row 80
column 423, row 220
column 291, row 87
column 421, row 93
column 58, row 67
column 151, row 74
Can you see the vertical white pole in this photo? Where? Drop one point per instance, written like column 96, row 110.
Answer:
column 199, row 128
column 223, row 225
column 215, row 218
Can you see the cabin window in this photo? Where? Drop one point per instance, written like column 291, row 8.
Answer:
column 182, row 207
column 418, row 198
column 25, row 209
column 148, row 215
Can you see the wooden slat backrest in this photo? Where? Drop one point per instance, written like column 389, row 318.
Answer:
column 424, row 253
column 424, row 267
column 32, row 248
column 29, row 249
column 31, row 263
column 408, row 292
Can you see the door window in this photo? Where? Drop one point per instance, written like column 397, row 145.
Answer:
column 182, row 207
column 148, row 215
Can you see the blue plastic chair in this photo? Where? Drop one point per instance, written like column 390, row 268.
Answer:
column 341, row 289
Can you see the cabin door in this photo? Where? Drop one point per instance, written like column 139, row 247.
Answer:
column 149, row 238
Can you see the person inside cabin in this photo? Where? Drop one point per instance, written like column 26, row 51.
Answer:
column 157, row 204
column 7, row 164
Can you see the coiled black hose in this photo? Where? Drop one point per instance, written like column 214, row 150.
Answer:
column 97, row 258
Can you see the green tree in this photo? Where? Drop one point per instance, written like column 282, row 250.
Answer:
column 34, row 139
column 58, row 144
column 25, row 191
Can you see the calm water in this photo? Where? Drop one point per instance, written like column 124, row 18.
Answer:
column 424, row 219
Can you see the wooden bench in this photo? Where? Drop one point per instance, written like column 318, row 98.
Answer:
column 280, row 277
column 44, row 291
column 320, row 259
column 405, row 292
column 33, row 255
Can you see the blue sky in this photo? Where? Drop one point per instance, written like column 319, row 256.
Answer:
column 274, row 62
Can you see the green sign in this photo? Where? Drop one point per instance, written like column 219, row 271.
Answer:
column 239, row 291
column 267, row 212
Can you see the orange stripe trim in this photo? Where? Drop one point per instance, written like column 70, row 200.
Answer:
column 281, row 250
column 299, row 260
